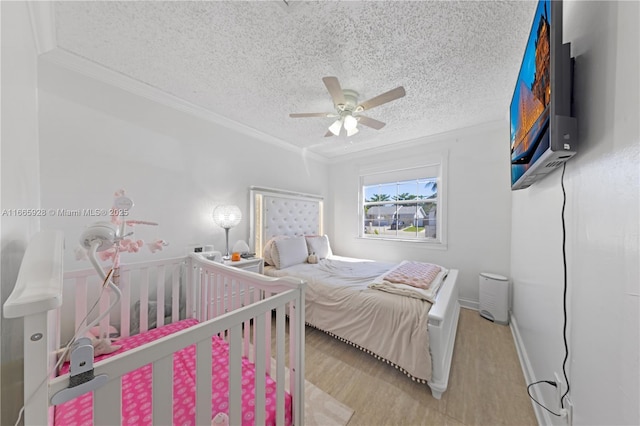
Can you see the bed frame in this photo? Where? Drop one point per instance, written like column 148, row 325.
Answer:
column 277, row 212
column 229, row 302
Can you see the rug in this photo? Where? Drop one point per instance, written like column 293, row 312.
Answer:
column 320, row 408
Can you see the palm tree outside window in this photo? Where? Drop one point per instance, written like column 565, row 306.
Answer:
column 401, row 209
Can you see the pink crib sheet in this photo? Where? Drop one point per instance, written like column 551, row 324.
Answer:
column 136, row 386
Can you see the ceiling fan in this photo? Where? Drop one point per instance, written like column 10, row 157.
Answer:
column 348, row 109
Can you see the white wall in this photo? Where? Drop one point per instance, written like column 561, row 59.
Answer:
column 176, row 167
column 19, row 183
column 602, row 184
column 479, row 200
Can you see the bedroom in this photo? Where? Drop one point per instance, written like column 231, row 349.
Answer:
column 63, row 132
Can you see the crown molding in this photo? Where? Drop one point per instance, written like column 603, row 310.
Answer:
column 43, row 25
column 455, row 133
column 84, row 66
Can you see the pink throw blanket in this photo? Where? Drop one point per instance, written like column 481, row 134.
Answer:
column 415, row 274
column 136, row 386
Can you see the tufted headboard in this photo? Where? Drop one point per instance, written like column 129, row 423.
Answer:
column 277, row 212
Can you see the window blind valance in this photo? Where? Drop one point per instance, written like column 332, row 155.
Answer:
column 401, row 175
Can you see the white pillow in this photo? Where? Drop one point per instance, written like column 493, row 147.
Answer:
column 267, row 252
column 319, row 245
column 289, row 252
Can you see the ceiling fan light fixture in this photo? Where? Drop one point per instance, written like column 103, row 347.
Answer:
column 346, row 105
column 335, row 127
column 350, row 123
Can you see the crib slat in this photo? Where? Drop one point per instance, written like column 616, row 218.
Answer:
column 256, row 296
column 235, row 375
column 81, row 302
column 204, row 412
column 214, row 297
column 236, row 302
column 260, row 370
column 163, row 390
column 160, row 296
column 218, row 296
column 144, row 300
column 267, row 338
column 292, row 336
column 297, row 367
column 193, row 291
column 107, row 404
column 175, row 294
column 247, row 328
column 280, row 333
column 296, row 361
column 204, row 296
column 226, row 296
column 233, row 300
column 125, row 303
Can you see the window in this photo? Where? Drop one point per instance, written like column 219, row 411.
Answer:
column 403, row 204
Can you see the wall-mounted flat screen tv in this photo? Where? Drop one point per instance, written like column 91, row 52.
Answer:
column 543, row 131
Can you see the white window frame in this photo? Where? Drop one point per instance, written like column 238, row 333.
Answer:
column 408, row 170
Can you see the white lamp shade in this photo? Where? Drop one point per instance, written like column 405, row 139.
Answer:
column 227, row 216
column 350, row 122
column 351, row 132
column 240, row 247
column 335, row 127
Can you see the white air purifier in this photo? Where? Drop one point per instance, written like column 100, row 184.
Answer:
column 494, row 297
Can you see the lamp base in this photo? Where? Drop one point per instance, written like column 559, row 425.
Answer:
column 227, row 256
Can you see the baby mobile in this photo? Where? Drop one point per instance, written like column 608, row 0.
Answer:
column 122, row 244
column 107, row 240
column 104, row 240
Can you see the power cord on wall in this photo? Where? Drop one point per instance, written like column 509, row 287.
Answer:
column 564, row 293
column 564, row 310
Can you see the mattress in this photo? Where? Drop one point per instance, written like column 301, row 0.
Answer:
column 137, row 385
column 339, row 301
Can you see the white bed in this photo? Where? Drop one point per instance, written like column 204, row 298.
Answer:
column 225, row 304
column 415, row 336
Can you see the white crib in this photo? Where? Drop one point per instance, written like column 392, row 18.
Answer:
column 241, row 307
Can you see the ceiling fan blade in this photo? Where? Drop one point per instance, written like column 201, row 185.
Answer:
column 326, row 135
column 370, row 122
column 333, row 86
column 312, row 114
column 389, row 96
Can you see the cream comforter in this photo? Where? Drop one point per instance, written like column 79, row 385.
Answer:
column 339, row 301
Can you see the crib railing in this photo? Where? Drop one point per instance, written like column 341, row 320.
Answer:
column 107, row 399
column 221, row 289
column 145, row 287
column 235, row 304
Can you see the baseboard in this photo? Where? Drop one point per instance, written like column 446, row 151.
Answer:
column 541, row 415
column 469, row 304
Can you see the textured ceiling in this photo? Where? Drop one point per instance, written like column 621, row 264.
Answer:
column 256, row 62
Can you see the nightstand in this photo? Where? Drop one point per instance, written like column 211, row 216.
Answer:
column 254, row 264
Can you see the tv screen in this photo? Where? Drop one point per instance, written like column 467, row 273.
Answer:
column 543, row 130
column 531, row 102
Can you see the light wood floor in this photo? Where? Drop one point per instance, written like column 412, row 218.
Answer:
column 486, row 384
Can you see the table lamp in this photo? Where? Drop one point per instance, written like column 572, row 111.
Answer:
column 227, row 216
